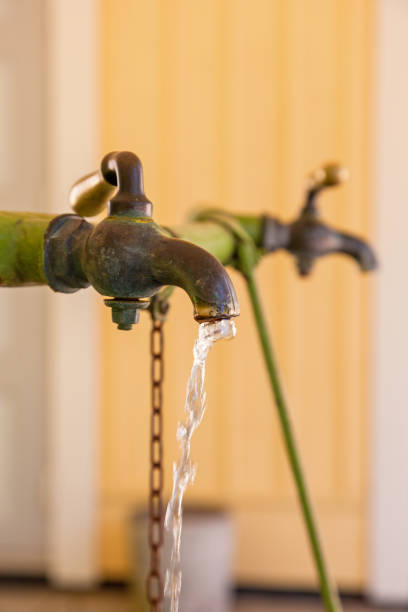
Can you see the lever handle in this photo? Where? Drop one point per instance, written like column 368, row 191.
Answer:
column 90, row 194
column 329, row 175
column 118, row 183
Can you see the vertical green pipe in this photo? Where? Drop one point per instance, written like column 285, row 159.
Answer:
column 327, row 587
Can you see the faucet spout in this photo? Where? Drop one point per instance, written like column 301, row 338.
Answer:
column 308, row 238
column 183, row 264
column 357, row 248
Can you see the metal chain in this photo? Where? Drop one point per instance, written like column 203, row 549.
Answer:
column 154, row 580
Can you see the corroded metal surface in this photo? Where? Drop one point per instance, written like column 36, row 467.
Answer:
column 64, row 242
column 125, row 313
column 128, row 257
column 133, row 258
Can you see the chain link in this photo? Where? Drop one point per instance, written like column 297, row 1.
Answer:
column 154, row 580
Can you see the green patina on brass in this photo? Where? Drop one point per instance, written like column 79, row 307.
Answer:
column 22, row 248
column 127, row 256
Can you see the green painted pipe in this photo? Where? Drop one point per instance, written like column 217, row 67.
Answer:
column 21, row 248
column 328, row 587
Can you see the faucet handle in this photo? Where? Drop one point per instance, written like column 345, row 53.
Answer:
column 310, row 238
column 90, row 194
column 118, row 184
column 329, row 175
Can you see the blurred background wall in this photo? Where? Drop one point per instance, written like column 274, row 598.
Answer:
column 232, row 103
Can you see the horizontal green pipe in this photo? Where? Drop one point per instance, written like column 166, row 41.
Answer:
column 219, row 240
column 22, row 243
column 21, row 248
column 210, row 236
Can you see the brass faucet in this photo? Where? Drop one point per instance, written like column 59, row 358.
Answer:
column 307, row 237
column 127, row 256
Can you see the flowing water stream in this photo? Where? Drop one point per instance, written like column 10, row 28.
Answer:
column 184, row 471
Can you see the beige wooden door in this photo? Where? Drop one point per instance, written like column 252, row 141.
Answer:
column 233, row 102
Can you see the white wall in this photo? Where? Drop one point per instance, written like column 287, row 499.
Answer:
column 388, row 577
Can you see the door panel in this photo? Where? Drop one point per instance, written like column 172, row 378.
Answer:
column 232, row 103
